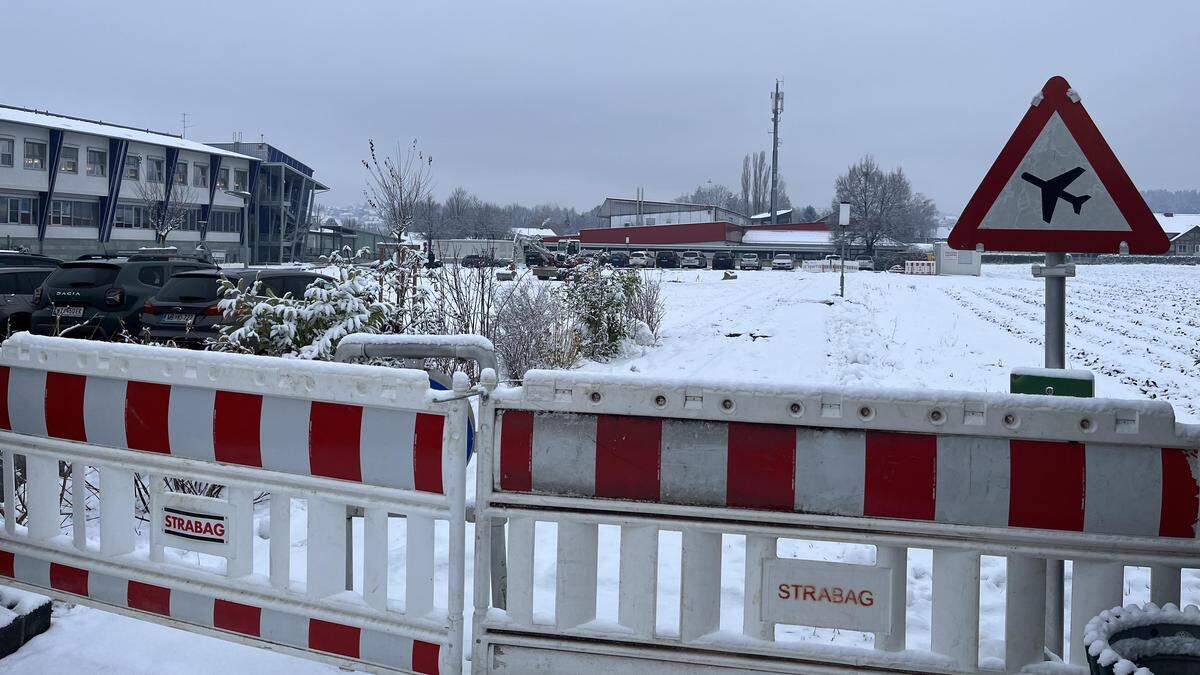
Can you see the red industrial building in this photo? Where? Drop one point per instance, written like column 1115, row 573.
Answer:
column 804, row 240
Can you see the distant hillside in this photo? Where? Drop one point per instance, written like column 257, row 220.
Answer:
column 1173, row 201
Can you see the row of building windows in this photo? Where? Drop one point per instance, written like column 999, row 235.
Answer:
column 35, row 159
column 73, row 213
column 18, row 211
column 135, row 216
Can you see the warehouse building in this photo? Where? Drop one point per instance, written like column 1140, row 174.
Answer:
column 617, row 212
column 71, row 186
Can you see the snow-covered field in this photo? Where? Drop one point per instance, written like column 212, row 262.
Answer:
column 1136, row 327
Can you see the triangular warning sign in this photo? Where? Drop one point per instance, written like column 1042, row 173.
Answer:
column 1058, row 187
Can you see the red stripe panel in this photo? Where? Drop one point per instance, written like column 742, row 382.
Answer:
column 146, row 406
column 1180, row 494
column 333, row 638
column 69, row 579
column 64, row 406
column 900, row 479
column 6, row 564
column 236, row 617
column 427, row 452
column 149, row 598
column 1046, row 485
column 5, row 423
column 333, row 434
column 425, row 657
column 761, row 472
column 516, row 451
column 628, row 457
column 236, row 427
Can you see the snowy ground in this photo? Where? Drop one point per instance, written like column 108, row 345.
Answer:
column 1136, row 327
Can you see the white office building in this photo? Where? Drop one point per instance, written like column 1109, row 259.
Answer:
column 70, row 186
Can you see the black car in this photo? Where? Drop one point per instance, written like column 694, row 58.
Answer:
column 667, row 259
column 101, row 298
column 618, row 259
column 477, row 261
column 20, row 259
column 723, row 260
column 186, row 309
column 17, row 286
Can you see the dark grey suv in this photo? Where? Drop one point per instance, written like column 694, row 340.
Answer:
column 17, row 286
column 100, row 298
column 186, row 310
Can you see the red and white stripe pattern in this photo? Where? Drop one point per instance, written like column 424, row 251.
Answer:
column 379, row 446
column 268, row 625
column 1103, row 489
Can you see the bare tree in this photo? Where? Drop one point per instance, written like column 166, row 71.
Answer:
column 396, row 186
column 167, row 216
column 882, row 204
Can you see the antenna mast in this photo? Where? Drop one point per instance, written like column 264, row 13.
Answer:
column 776, row 110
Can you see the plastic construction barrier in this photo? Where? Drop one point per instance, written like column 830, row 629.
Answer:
column 204, row 452
column 734, row 477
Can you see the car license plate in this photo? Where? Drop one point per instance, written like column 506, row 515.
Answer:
column 178, row 318
column 68, row 311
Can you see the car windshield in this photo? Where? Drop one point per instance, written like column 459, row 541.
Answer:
column 750, row 256
column 190, row 289
column 83, row 276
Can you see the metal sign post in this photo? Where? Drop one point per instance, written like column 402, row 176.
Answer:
column 1055, row 272
column 843, row 221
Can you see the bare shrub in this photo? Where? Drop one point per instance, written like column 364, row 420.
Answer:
column 533, row 330
column 646, row 303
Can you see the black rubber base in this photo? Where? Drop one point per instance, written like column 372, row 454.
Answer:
column 24, row 627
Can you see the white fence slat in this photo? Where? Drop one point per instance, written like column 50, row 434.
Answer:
column 758, row 550
column 896, row 558
column 1055, row 605
column 79, row 505
column 1024, row 612
column 418, row 566
column 41, row 497
column 1095, row 587
column 116, row 511
column 326, row 548
column 281, row 539
column 375, row 558
column 520, row 570
column 1164, row 584
column 241, row 563
column 700, row 584
column 10, row 492
column 638, row 600
column 575, row 581
column 154, row 485
column 955, row 629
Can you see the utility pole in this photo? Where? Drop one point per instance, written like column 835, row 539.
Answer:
column 183, row 125
column 776, row 109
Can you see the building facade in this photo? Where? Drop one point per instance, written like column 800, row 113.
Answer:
column 70, row 186
column 639, row 212
column 284, row 191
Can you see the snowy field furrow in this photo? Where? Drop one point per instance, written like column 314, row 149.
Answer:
column 1136, row 327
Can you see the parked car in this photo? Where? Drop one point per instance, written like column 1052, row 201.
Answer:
column 640, row 259
column 618, row 259
column 723, row 260
column 866, row 264
column 477, row 261
column 666, row 259
column 693, row 260
column 186, row 309
column 783, row 261
column 100, row 298
column 749, row 261
column 21, row 259
column 17, row 286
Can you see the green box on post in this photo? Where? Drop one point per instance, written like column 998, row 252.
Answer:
column 1052, row 382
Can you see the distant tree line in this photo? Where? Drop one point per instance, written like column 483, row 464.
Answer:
column 1173, row 201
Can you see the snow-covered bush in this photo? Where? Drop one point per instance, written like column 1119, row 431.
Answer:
column 532, row 330
column 358, row 301
column 646, row 303
column 599, row 300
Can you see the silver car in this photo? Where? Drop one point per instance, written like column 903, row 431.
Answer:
column 17, row 286
column 749, row 261
column 783, row 261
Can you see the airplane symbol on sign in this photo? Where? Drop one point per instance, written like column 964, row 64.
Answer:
column 1055, row 188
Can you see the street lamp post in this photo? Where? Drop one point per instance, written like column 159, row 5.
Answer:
column 245, row 197
column 843, row 221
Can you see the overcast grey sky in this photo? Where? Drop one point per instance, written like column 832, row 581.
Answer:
column 571, row 101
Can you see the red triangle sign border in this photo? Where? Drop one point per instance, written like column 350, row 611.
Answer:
column 1145, row 235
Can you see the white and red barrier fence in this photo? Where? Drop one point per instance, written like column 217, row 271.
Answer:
column 734, row 469
column 81, row 419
